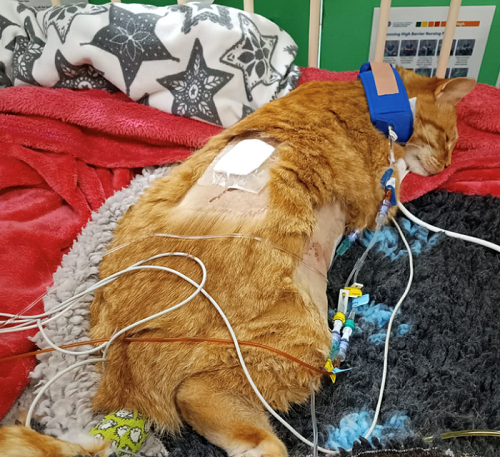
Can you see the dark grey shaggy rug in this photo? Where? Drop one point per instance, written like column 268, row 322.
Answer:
column 444, row 359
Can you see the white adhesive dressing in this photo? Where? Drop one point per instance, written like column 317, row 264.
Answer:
column 244, row 158
column 242, row 165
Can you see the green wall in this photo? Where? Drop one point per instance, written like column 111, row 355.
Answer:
column 347, row 28
column 356, row 33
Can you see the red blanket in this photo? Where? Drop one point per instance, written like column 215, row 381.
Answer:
column 475, row 166
column 63, row 153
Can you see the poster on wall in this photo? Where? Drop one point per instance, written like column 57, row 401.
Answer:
column 42, row 4
column 415, row 34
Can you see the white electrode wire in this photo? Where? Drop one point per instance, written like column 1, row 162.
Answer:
column 233, row 337
column 27, row 307
column 67, row 304
column 236, row 345
column 33, row 317
column 389, row 328
column 51, row 381
column 32, row 323
column 218, row 237
column 55, row 309
column 199, row 288
column 314, row 421
column 29, row 321
column 22, row 323
column 432, row 228
column 240, row 357
column 247, row 237
column 136, row 267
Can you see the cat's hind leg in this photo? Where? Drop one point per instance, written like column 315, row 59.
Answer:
column 227, row 419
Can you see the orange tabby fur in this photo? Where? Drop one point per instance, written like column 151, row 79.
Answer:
column 18, row 441
column 329, row 153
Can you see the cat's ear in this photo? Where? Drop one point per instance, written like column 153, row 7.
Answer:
column 453, row 90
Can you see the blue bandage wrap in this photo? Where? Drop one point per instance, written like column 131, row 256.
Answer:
column 388, row 110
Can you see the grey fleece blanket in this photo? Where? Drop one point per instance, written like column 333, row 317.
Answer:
column 65, row 408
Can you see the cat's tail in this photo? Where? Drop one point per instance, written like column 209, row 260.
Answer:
column 17, row 441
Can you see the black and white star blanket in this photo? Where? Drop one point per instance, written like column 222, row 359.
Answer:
column 209, row 62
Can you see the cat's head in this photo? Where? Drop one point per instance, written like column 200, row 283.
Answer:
column 435, row 134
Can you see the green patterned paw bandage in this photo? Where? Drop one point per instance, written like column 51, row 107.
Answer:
column 125, row 429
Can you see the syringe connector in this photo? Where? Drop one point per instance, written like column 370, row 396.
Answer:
column 348, row 242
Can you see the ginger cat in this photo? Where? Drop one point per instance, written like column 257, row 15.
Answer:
column 325, row 181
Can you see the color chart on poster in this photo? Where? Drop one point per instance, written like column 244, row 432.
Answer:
column 414, row 38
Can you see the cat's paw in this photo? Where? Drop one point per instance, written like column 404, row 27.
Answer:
column 271, row 447
column 92, row 444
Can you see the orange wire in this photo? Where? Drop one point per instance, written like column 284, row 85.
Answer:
column 173, row 340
